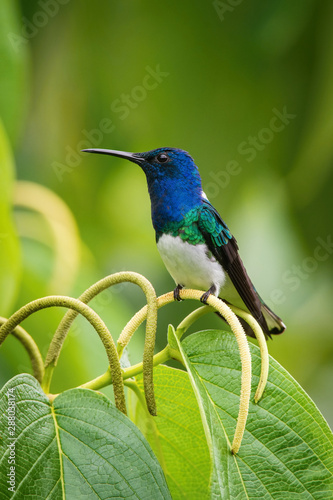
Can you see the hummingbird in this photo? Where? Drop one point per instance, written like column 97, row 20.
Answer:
column 194, row 242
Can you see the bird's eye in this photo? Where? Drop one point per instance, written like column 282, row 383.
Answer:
column 162, row 158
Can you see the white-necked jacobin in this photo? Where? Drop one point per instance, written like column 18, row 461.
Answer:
column 195, row 244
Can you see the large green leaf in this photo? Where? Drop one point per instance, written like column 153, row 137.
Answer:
column 176, row 434
column 287, row 450
column 81, row 447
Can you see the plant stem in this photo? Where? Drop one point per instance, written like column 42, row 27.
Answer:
column 96, row 322
column 185, row 324
column 99, row 382
column 106, row 378
column 32, row 349
column 159, row 358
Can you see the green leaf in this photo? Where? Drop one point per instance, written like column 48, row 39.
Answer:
column 10, row 261
column 81, row 447
column 176, row 434
column 287, row 450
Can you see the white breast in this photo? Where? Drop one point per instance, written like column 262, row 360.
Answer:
column 191, row 266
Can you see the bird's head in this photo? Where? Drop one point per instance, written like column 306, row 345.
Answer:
column 173, row 179
column 167, row 163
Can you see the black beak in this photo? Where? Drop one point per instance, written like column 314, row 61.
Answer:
column 121, row 154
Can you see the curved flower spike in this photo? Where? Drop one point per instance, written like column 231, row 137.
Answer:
column 233, row 321
column 91, row 292
column 93, row 318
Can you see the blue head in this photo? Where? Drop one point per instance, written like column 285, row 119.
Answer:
column 173, row 180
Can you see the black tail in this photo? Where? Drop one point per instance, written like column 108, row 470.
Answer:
column 274, row 323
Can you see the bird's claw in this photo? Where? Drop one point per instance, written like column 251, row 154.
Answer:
column 176, row 291
column 204, row 296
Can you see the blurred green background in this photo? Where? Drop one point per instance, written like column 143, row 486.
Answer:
column 247, row 89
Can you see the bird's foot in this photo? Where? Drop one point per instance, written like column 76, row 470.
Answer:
column 176, row 291
column 204, row 296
